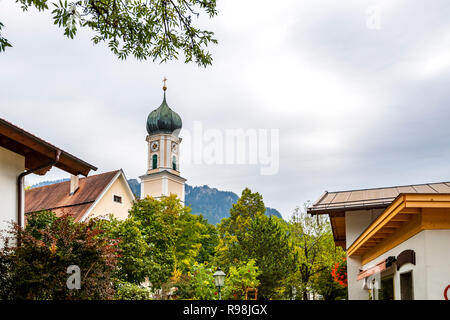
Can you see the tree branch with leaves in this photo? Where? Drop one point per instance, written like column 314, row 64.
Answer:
column 155, row 29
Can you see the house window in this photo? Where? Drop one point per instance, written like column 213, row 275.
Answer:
column 174, row 163
column 155, row 161
column 386, row 291
column 117, row 199
column 406, row 286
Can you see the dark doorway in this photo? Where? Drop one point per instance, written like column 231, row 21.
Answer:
column 406, row 286
column 387, row 289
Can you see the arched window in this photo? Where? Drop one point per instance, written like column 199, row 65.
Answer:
column 155, row 161
column 174, row 163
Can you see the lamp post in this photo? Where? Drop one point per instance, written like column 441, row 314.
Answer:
column 219, row 280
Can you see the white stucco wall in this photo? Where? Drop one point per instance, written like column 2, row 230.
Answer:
column 437, row 262
column 355, row 223
column 416, row 243
column 431, row 273
column 106, row 204
column 11, row 166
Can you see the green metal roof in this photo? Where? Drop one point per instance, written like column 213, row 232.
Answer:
column 163, row 119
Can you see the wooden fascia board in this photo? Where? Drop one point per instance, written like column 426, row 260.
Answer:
column 397, row 206
column 412, row 227
column 405, row 204
column 24, row 142
column 427, row 200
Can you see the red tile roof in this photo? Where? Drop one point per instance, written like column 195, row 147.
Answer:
column 56, row 197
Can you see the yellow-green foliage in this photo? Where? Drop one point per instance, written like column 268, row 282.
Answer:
column 239, row 279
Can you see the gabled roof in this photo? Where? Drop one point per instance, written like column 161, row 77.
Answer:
column 56, row 197
column 38, row 152
column 408, row 215
column 336, row 203
column 340, row 201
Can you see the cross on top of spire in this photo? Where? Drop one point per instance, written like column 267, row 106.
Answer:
column 164, row 87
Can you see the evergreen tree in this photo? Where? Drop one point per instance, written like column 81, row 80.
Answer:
column 269, row 245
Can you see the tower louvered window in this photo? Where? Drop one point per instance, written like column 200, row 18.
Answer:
column 155, row 161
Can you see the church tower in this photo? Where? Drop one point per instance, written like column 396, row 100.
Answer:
column 163, row 168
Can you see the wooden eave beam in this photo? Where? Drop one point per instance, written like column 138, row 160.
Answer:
column 36, row 150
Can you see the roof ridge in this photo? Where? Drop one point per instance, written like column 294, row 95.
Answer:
column 391, row 187
column 68, row 181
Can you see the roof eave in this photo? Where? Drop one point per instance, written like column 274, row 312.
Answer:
column 37, row 151
column 343, row 209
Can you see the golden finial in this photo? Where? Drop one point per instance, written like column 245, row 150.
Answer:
column 164, row 87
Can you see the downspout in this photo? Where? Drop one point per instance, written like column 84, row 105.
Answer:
column 20, row 202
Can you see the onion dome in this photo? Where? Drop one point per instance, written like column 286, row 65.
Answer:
column 163, row 119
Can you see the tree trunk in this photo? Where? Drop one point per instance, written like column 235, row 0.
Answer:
column 305, row 295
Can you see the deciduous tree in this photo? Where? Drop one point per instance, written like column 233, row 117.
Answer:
column 35, row 267
column 158, row 224
column 249, row 206
column 314, row 243
column 156, row 29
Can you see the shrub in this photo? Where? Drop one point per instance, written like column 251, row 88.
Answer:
column 339, row 273
column 197, row 284
column 239, row 279
column 131, row 291
column 34, row 262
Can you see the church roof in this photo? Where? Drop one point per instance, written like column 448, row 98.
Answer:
column 163, row 119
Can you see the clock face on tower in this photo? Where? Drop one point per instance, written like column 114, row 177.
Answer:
column 174, row 147
column 154, row 146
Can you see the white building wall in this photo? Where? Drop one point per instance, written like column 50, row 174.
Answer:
column 437, row 262
column 419, row 271
column 355, row 224
column 431, row 274
column 11, row 166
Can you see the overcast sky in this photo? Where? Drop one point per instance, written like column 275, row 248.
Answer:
column 359, row 91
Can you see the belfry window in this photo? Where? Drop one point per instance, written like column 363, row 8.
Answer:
column 154, row 161
column 174, row 163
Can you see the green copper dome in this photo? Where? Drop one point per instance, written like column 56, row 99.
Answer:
column 163, row 119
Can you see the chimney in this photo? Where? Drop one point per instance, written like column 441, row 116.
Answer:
column 74, row 181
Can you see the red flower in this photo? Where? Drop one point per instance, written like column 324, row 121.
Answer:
column 339, row 273
column 215, row 293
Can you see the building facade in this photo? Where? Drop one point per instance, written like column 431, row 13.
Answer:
column 396, row 239
column 163, row 163
column 21, row 154
column 11, row 166
column 84, row 198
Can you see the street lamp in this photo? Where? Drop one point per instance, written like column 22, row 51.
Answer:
column 219, row 280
